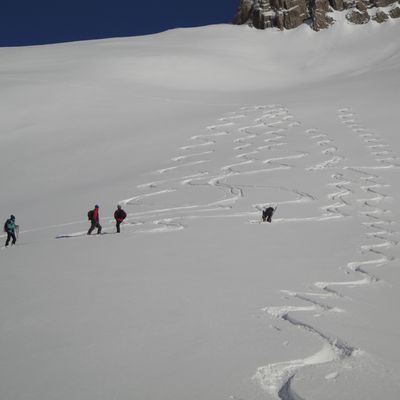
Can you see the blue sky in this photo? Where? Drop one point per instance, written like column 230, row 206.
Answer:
column 27, row 22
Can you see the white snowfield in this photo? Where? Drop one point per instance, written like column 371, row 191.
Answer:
column 193, row 132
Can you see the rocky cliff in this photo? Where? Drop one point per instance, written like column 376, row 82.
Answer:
column 289, row 14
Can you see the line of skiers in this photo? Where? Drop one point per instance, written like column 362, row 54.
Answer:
column 11, row 228
column 120, row 215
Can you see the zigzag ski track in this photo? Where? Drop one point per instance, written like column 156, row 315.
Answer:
column 359, row 192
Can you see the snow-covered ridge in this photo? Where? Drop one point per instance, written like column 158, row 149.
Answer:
column 224, row 57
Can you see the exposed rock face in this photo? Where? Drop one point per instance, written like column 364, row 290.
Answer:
column 289, row 14
column 318, row 12
column 380, row 16
column 362, row 7
column 358, row 17
column 383, row 3
column 284, row 14
column 243, row 12
column 395, row 12
column 337, row 5
column 360, row 14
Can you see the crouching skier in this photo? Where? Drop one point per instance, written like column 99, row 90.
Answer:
column 267, row 214
column 94, row 218
column 10, row 228
column 119, row 216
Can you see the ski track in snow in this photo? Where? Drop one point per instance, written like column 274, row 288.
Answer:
column 255, row 142
column 257, row 136
column 354, row 188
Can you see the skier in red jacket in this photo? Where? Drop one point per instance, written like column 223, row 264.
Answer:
column 119, row 216
column 94, row 219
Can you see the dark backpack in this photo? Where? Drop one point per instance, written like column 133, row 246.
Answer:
column 7, row 228
column 120, row 214
column 90, row 215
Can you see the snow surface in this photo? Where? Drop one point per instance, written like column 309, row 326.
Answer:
column 194, row 131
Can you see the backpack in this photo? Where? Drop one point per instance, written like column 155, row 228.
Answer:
column 90, row 215
column 120, row 215
column 8, row 226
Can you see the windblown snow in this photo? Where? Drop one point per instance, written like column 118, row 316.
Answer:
column 193, row 132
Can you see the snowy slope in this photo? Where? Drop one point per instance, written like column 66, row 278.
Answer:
column 193, row 131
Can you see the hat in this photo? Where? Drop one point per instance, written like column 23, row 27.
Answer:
column 96, row 206
column 12, row 217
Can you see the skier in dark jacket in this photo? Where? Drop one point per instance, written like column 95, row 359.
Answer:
column 10, row 228
column 94, row 219
column 267, row 214
column 119, row 216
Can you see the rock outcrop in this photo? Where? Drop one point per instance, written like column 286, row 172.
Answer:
column 359, row 15
column 395, row 12
column 244, row 12
column 289, row 14
column 380, row 17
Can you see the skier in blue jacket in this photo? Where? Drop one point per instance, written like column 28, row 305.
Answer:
column 10, row 228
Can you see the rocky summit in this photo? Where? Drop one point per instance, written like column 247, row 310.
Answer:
column 289, row 14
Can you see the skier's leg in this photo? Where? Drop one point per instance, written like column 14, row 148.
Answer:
column 264, row 215
column 92, row 226
column 98, row 228
column 8, row 238
column 118, row 226
column 14, row 239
